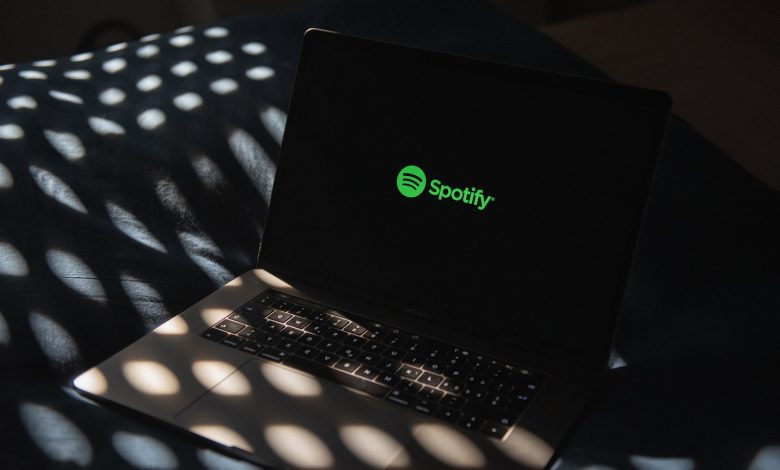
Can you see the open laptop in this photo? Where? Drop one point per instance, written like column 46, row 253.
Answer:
column 440, row 275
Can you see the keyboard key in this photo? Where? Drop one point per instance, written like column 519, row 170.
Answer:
column 425, row 406
column 284, row 305
column 355, row 329
column 248, row 332
column 388, row 379
column 316, row 328
column 264, row 299
column 400, row 398
column 448, row 414
column 431, row 393
column 388, row 365
column 247, row 318
column 430, row 379
column 452, row 401
column 374, row 347
column 331, row 346
column 324, row 372
column 232, row 341
column 308, row 352
column 268, row 339
column 273, row 354
column 230, row 326
column 309, row 339
column 213, row 335
column 367, row 372
column 326, row 358
column 289, row 345
column 348, row 352
column 290, row 333
column 347, row 365
column 335, row 335
column 452, row 386
column 369, row 358
column 410, row 373
column 355, row 341
column 255, row 310
column 470, row 422
column 409, row 387
column 393, row 353
column 279, row 316
column 494, row 430
column 338, row 322
column 251, row 347
column 272, row 327
column 298, row 322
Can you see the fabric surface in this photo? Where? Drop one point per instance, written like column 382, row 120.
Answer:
column 134, row 181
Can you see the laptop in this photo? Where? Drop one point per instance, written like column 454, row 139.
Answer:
column 440, row 276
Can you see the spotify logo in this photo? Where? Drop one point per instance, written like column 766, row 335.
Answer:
column 411, row 182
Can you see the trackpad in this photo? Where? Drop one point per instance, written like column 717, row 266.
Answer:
column 289, row 419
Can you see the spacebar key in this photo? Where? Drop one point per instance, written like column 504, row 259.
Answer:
column 333, row 375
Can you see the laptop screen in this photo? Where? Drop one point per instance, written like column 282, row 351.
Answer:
column 494, row 199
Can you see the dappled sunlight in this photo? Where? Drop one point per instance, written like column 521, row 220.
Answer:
column 77, row 74
column 150, row 37
column 289, row 382
column 112, row 96
column 92, row 381
column 54, row 340
column 151, row 119
column 7, row 67
column 105, row 126
column 131, row 226
column 373, row 446
column 66, row 97
column 448, row 445
column 201, row 250
column 271, row 280
column 274, row 120
column 75, row 273
column 84, row 56
column 22, row 102
column 223, row 435
column 56, row 189
column 209, row 373
column 116, row 47
column 525, row 448
column 151, row 377
column 6, row 178
column 184, row 68
column 181, row 40
column 67, row 144
column 143, row 451
column 215, row 32
column 57, row 436
column 767, row 458
column 219, row 57
column 255, row 161
column 642, row 462
column 149, row 83
column 141, row 294
column 223, row 86
column 114, row 65
column 298, row 446
column 260, row 73
column 147, row 51
column 12, row 263
column 188, row 101
column 208, row 172
column 213, row 315
column 33, row 75
column 174, row 326
column 45, row 63
column 11, row 132
column 253, row 48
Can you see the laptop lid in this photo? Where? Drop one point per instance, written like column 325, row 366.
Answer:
column 491, row 198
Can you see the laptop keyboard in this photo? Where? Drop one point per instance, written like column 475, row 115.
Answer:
column 477, row 392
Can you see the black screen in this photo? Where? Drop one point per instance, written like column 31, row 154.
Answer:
column 567, row 160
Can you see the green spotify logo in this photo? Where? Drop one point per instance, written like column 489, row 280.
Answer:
column 411, row 182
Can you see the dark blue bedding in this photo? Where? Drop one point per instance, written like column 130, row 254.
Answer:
column 134, row 181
